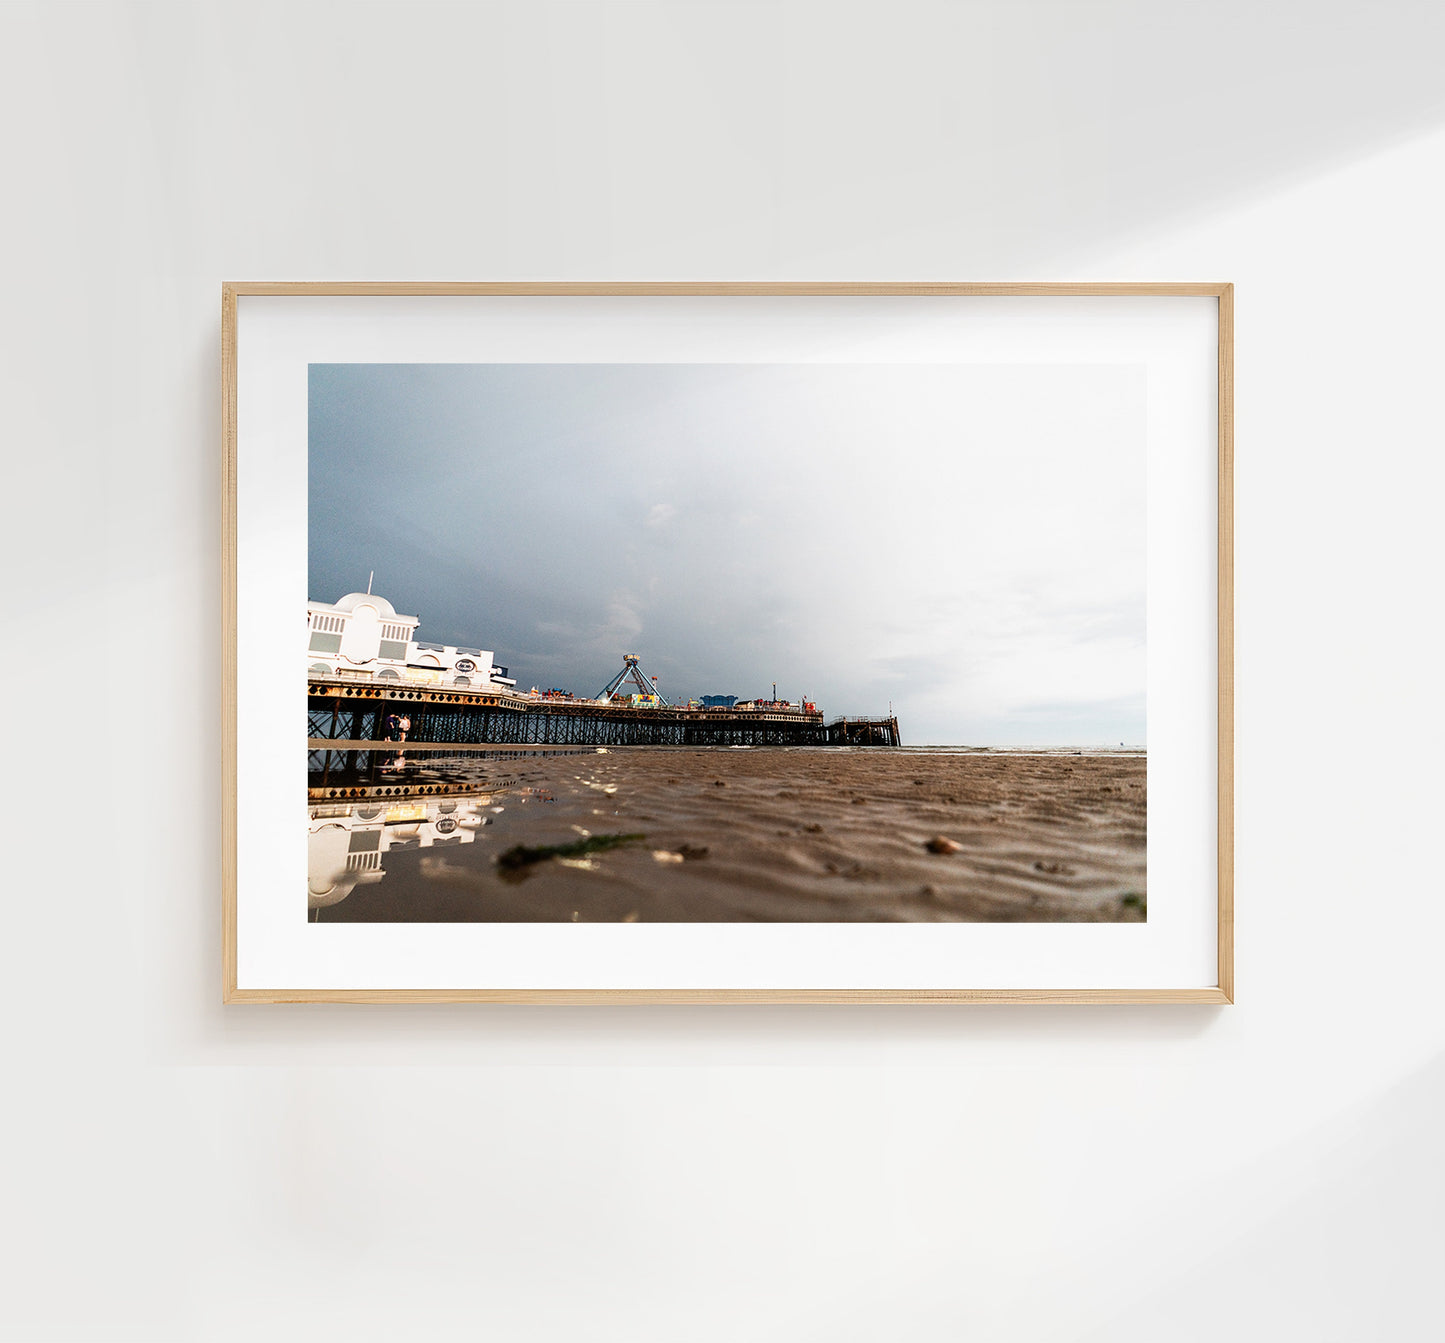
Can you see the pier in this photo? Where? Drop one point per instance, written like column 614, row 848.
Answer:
column 348, row 749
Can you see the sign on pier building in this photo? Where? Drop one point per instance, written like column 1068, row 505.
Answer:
column 363, row 637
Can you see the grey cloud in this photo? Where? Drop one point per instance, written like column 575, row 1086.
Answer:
column 731, row 525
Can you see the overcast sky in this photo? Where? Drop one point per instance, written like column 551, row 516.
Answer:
column 966, row 542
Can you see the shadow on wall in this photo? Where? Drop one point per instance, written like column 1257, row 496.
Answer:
column 1139, row 114
column 379, row 1035
column 1076, row 125
column 1331, row 1238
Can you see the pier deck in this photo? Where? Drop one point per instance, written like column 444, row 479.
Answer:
column 346, row 726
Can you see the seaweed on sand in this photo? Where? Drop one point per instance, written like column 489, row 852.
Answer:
column 520, row 857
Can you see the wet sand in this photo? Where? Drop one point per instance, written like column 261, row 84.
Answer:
column 780, row 835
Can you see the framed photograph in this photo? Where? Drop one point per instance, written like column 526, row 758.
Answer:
column 727, row 642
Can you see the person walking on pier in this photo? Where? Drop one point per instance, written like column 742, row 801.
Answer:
column 397, row 726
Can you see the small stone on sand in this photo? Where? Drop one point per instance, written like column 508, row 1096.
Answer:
column 938, row 844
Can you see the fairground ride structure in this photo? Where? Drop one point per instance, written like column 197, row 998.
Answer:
column 643, row 682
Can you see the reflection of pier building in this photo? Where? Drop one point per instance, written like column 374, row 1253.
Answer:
column 345, row 843
column 362, row 637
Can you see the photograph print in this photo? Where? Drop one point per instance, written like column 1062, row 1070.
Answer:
column 690, row 642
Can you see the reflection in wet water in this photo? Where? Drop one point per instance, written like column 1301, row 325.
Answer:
column 348, row 842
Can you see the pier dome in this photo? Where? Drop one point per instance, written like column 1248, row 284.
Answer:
column 362, row 630
column 364, row 635
column 354, row 599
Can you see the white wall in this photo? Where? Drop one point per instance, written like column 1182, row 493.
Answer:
column 178, row 1172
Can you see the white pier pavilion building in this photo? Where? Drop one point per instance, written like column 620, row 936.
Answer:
column 362, row 637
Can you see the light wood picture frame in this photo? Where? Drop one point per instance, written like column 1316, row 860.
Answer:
column 246, row 890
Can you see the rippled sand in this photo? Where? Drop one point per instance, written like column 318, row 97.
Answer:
column 782, row 835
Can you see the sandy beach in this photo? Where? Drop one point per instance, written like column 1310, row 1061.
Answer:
column 766, row 835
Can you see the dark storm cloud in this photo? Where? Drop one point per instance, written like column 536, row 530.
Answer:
column 960, row 541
